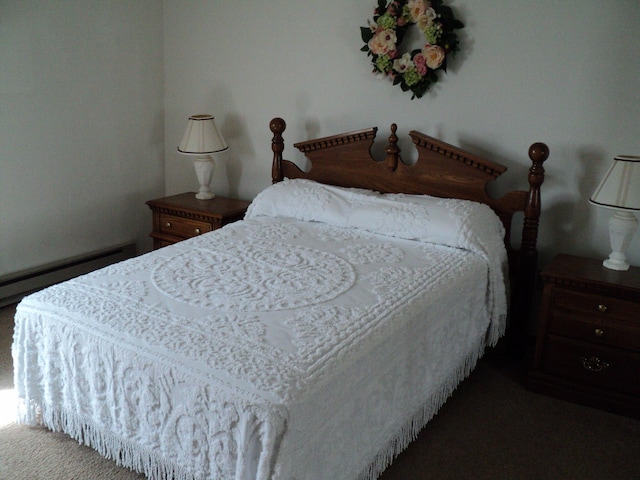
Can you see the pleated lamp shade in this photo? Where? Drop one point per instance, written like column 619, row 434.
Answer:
column 202, row 137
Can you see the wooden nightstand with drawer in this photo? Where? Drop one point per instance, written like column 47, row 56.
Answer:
column 588, row 343
column 183, row 216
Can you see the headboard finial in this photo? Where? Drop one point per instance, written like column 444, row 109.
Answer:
column 538, row 152
column 392, row 150
column 277, row 126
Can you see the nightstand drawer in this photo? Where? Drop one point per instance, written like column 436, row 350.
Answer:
column 182, row 227
column 592, row 364
column 602, row 331
column 595, row 305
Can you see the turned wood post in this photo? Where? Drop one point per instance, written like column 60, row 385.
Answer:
column 277, row 126
column 538, row 153
column 528, row 256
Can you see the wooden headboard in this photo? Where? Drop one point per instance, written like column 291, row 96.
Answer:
column 441, row 170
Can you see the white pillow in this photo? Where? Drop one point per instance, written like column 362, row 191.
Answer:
column 450, row 222
column 307, row 200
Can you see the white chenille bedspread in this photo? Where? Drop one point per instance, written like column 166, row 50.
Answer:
column 275, row 348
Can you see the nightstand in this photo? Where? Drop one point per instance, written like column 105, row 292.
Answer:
column 183, row 216
column 588, row 342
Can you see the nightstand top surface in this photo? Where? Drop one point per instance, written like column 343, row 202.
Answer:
column 188, row 201
column 590, row 270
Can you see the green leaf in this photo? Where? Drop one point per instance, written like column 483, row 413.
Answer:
column 446, row 12
column 366, row 34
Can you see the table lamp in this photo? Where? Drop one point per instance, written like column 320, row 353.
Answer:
column 620, row 192
column 202, row 139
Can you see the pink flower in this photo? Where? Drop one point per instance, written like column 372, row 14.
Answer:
column 434, row 55
column 421, row 64
column 417, row 8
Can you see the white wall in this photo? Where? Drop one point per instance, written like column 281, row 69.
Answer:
column 85, row 130
column 563, row 72
column 81, row 126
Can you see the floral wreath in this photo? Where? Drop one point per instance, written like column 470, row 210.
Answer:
column 415, row 71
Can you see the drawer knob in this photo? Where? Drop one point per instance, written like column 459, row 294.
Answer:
column 593, row 364
column 599, row 332
column 602, row 308
column 197, row 231
column 168, row 224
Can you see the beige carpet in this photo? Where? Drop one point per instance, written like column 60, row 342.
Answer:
column 491, row 428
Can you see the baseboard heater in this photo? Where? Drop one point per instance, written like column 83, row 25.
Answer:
column 16, row 285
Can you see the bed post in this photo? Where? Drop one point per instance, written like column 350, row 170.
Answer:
column 528, row 255
column 277, row 126
column 538, row 153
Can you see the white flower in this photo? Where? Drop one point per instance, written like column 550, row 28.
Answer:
column 425, row 20
column 383, row 42
column 403, row 63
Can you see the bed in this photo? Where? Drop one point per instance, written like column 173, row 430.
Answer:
column 311, row 340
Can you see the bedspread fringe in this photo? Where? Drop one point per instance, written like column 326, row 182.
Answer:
column 123, row 453
column 412, row 428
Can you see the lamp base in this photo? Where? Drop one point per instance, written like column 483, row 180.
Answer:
column 205, row 195
column 204, row 170
column 622, row 227
column 616, row 264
